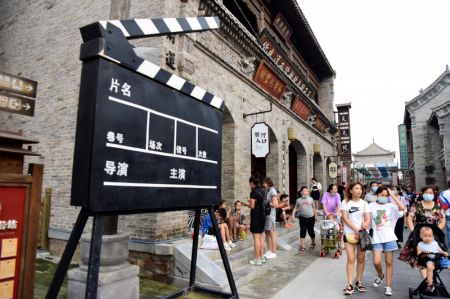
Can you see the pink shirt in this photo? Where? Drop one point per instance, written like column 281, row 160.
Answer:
column 331, row 202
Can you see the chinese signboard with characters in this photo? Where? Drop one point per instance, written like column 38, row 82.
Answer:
column 403, row 146
column 282, row 26
column 269, row 81
column 332, row 170
column 152, row 148
column 300, row 108
column 16, row 104
column 18, row 85
column 345, row 149
column 260, row 140
column 12, row 206
column 16, row 94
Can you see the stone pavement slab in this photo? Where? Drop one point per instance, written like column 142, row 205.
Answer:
column 326, row 278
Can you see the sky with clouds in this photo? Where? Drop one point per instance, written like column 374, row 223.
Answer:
column 383, row 53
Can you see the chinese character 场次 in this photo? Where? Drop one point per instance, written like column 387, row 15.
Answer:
column 114, row 85
column 184, row 150
column 174, row 173
column 200, row 154
column 178, row 150
column 119, row 137
column 181, row 174
column 110, row 136
column 204, row 155
column 152, row 144
column 122, row 169
column 159, row 146
column 126, row 89
column 110, row 167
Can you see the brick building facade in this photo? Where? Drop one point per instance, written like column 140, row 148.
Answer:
column 265, row 52
column 427, row 121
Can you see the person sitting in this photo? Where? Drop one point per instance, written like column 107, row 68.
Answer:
column 223, row 228
column 238, row 221
column 428, row 247
column 284, row 210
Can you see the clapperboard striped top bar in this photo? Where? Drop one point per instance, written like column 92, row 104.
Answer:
column 154, row 27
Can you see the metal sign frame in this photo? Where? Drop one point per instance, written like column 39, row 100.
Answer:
column 107, row 40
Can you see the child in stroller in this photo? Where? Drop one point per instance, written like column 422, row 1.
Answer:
column 432, row 259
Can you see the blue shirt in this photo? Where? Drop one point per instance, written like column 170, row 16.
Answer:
column 207, row 223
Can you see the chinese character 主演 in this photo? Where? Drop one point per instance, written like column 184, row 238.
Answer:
column 122, row 169
column 173, row 173
column 181, row 174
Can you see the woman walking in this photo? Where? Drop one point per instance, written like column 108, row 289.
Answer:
column 331, row 201
column 269, row 227
column 356, row 217
column 306, row 213
column 384, row 215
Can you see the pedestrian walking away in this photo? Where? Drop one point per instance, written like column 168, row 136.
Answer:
column 306, row 213
column 269, row 226
column 255, row 203
column 316, row 189
column 384, row 216
column 356, row 217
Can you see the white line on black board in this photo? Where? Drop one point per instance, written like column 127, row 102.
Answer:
column 146, row 185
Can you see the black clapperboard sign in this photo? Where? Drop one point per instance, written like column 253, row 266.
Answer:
column 146, row 140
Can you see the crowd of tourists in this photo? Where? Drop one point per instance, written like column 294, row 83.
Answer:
column 377, row 212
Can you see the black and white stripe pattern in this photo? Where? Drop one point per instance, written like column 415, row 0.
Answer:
column 154, row 27
column 150, row 70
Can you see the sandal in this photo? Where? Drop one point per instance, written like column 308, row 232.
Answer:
column 313, row 245
column 302, row 249
column 360, row 287
column 349, row 290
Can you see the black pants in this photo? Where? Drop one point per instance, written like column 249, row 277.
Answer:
column 307, row 224
column 399, row 229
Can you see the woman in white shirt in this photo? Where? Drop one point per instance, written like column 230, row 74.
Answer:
column 384, row 216
column 356, row 217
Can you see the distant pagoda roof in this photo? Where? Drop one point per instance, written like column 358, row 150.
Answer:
column 374, row 150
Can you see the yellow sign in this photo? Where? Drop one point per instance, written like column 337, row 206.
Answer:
column 9, row 248
column 7, row 268
column 6, row 289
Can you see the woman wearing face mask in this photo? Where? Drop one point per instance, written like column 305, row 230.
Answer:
column 383, row 216
column 423, row 212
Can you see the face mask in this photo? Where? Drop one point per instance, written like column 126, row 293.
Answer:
column 428, row 197
column 374, row 189
column 395, row 192
column 382, row 200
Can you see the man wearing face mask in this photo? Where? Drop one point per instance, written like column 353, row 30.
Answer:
column 371, row 196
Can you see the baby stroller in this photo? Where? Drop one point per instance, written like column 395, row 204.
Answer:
column 440, row 291
column 330, row 237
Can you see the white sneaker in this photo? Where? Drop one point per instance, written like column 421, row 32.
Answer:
column 227, row 247
column 271, row 256
column 388, row 291
column 231, row 244
column 267, row 254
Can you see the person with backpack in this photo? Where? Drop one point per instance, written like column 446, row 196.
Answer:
column 444, row 202
column 306, row 213
column 255, row 203
column 270, row 205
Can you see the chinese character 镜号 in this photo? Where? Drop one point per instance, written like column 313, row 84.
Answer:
column 110, row 136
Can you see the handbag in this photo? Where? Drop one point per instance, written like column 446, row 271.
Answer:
column 352, row 239
column 365, row 240
column 209, row 242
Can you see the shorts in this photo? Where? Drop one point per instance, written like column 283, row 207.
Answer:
column 257, row 224
column 269, row 224
column 388, row 246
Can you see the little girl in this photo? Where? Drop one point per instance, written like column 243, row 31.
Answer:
column 306, row 213
column 429, row 246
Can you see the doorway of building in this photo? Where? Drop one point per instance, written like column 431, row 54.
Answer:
column 297, row 169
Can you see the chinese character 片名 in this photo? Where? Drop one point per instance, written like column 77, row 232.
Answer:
column 178, row 150
column 181, row 174
column 126, row 89
column 122, row 169
column 114, row 85
column 174, row 173
column 184, row 150
column 159, row 146
column 110, row 136
column 119, row 137
column 152, row 144
column 110, row 167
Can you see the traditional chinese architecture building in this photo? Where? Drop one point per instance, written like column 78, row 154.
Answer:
column 265, row 57
column 427, row 121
